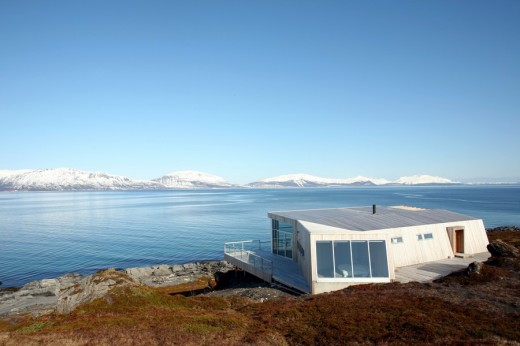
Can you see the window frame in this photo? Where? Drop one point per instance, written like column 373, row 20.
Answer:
column 399, row 240
column 351, row 279
column 424, row 236
column 331, row 242
column 279, row 228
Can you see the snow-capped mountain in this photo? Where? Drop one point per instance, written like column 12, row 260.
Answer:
column 306, row 180
column 422, row 180
column 68, row 179
column 192, row 180
column 61, row 179
column 361, row 180
column 292, row 180
column 9, row 172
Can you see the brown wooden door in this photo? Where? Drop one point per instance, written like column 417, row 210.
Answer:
column 459, row 241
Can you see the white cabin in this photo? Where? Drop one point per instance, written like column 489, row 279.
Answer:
column 322, row 250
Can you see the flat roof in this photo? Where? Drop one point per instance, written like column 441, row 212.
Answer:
column 362, row 218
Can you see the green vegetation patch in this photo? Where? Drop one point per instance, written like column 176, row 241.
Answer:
column 35, row 327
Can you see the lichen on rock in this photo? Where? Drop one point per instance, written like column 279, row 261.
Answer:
column 90, row 288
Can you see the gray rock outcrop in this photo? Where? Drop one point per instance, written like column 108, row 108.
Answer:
column 474, row 268
column 37, row 297
column 91, row 287
column 499, row 248
column 65, row 293
column 170, row 275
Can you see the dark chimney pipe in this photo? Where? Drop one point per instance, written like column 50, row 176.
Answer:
column 373, row 208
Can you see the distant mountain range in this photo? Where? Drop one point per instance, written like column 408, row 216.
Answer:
column 68, row 179
column 306, row 180
column 192, row 180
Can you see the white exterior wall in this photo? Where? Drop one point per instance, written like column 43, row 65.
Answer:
column 475, row 237
column 304, row 262
column 412, row 251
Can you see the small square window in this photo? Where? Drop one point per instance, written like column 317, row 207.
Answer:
column 397, row 240
column 428, row 236
column 419, row 237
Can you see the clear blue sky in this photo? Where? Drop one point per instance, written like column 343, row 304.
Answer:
column 252, row 89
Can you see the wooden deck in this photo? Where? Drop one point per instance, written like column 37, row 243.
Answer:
column 427, row 272
column 284, row 270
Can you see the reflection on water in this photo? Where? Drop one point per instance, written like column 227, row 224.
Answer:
column 46, row 234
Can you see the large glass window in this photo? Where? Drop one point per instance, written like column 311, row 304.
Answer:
column 351, row 259
column 360, row 259
column 325, row 260
column 342, row 259
column 282, row 238
column 378, row 259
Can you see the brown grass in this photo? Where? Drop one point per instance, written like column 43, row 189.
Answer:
column 136, row 315
column 458, row 310
column 512, row 238
column 396, row 313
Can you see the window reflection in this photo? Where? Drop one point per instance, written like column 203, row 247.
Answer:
column 352, row 259
column 342, row 259
column 282, row 238
column 325, row 260
column 360, row 259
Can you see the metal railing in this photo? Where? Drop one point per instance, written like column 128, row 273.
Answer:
column 245, row 251
column 246, row 245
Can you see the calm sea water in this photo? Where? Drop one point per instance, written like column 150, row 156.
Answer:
column 47, row 234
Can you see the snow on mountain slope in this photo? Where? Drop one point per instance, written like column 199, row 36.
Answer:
column 191, row 180
column 306, row 180
column 299, row 180
column 60, row 179
column 63, row 179
column 362, row 179
column 422, row 180
column 4, row 173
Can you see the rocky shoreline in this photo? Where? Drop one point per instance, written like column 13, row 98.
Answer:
column 477, row 305
column 504, row 229
column 64, row 293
